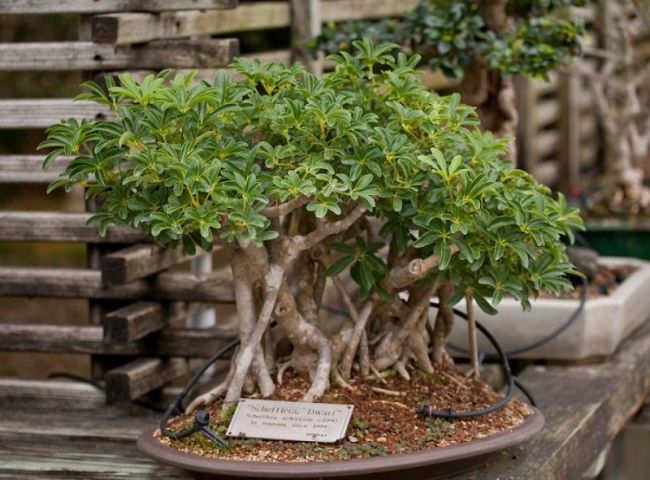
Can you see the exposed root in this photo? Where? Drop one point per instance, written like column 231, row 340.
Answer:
column 377, row 374
column 391, row 348
column 208, row 397
column 388, row 402
column 305, row 336
column 385, row 391
column 273, row 279
column 282, row 367
column 419, row 344
column 400, row 368
column 364, row 355
column 340, row 381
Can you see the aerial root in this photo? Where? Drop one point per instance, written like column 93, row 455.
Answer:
column 208, row 397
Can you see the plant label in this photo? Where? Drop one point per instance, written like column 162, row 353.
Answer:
column 298, row 421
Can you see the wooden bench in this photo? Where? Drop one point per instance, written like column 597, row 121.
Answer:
column 64, row 429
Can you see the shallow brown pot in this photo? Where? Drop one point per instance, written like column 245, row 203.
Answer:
column 426, row 464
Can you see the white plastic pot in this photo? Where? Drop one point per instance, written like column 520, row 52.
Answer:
column 603, row 324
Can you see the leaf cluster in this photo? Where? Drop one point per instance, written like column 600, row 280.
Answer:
column 195, row 162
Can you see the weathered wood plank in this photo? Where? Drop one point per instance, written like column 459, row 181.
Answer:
column 81, row 283
column 195, row 343
column 585, row 407
column 281, row 56
column 141, row 376
column 53, row 56
column 138, row 261
column 305, row 24
column 546, row 172
column 112, row 425
column 542, row 88
column 133, row 322
column 139, row 319
column 16, row 393
column 29, row 169
column 342, row 10
column 569, row 131
column 95, row 444
column 548, row 142
column 41, row 113
column 546, row 113
column 128, row 28
column 104, row 6
column 39, row 464
column 60, row 227
column 526, row 131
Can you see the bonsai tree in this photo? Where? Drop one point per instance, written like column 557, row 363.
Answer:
column 480, row 43
column 620, row 88
column 307, row 178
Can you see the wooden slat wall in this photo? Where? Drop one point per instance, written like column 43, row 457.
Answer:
column 135, row 304
column 558, row 139
column 103, row 6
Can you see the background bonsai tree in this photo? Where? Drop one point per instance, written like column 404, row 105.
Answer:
column 306, row 178
column 483, row 43
column 620, row 87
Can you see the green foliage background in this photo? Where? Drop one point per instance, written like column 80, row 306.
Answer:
column 450, row 34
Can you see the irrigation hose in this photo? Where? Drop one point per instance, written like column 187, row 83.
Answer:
column 202, row 417
column 512, row 382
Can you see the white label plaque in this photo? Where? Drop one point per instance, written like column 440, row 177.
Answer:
column 299, row 421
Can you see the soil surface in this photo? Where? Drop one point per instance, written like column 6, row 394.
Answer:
column 604, row 283
column 384, row 421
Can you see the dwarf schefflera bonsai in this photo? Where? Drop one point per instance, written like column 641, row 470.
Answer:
column 309, row 181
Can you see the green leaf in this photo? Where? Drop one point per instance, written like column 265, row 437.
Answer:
column 339, row 265
column 485, row 305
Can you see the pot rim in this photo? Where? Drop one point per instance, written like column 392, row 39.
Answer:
column 153, row 448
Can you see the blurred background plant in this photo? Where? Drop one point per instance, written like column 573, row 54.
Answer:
column 482, row 44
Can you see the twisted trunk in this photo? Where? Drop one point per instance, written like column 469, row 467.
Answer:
column 377, row 334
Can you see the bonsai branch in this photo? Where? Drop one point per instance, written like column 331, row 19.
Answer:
column 286, row 207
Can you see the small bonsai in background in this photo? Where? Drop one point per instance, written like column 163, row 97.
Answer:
column 481, row 43
column 306, row 179
column 620, row 87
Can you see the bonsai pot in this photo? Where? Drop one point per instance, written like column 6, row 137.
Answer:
column 424, row 464
column 602, row 325
column 624, row 240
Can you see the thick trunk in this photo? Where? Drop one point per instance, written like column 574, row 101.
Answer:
column 284, row 280
column 272, row 282
column 245, row 301
column 305, row 338
column 391, row 347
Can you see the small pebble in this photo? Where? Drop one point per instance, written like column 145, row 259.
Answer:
column 353, row 439
column 381, row 440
